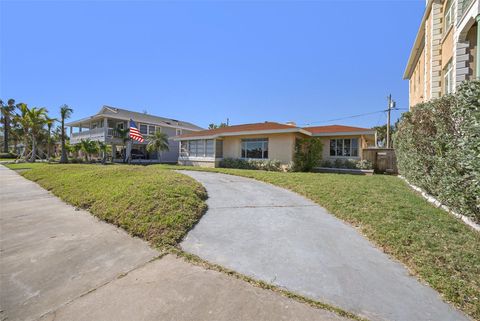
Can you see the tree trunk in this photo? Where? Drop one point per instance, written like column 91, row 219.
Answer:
column 159, row 155
column 34, row 150
column 64, row 158
column 5, row 133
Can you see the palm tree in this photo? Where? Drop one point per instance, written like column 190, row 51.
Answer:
column 7, row 114
column 88, row 147
column 157, row 142
column 102, row 147
column 37, row 118
column 123, row 134
column 65, row 113
column 50, row 122
column 21, row 119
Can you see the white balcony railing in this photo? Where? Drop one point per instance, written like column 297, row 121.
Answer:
column 92, row 134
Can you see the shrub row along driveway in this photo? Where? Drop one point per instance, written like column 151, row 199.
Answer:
column 61, row 264
column 282, row 238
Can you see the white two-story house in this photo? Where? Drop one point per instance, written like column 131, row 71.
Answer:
column 104, row 127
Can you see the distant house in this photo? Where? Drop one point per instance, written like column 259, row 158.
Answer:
column 270, row 140
column 104, row 126
column 445, row 51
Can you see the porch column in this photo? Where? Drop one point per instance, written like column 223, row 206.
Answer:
column 477, row 54
column 80, row 128
column 114, row 152
column 71, row 131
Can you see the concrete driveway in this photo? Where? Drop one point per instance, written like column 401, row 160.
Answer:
column 282, row 238
column 57, row 263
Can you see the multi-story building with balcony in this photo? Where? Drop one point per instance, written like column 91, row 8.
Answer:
column 104, row 127
column 445, row 52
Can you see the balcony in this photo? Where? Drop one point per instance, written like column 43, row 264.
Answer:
column 97, row 134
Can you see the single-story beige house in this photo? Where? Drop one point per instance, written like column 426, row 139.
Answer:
column 270, row 140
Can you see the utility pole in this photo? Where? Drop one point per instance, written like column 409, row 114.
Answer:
column 391, row 104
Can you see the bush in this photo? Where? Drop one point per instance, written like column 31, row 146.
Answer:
column 308, row 154
column 8, row 155
column 364, row 164
column 438, row 148
column 267, row 164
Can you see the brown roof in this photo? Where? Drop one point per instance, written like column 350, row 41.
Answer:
column 239, row 128
column 334, row 129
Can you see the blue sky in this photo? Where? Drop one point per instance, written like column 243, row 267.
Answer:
column 205, row 61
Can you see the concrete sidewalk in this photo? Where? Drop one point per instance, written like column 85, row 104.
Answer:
column 280, row 237
column 58, row 263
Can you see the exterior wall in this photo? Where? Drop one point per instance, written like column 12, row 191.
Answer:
column 280, row 146
column 417, row 82
column 199, row 163
column 472, row 51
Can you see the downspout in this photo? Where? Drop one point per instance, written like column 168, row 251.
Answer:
column 477, row 62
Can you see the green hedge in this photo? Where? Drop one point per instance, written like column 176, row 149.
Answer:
column 438, row 148
column 261, row 164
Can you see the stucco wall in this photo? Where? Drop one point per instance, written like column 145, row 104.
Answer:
column 280, row 146
column 417, row 81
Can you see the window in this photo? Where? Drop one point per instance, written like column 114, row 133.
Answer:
column 448, row 78
column 120, row 125
column 197, row 148
column 184, row 148
column 143, row 129
column 209, row 150
column 255, row 148
column 179, row 132
column 344, row 147
column 200, row 148
column 151, row 130
column 448, row 18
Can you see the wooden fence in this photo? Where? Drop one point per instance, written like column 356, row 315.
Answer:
column 383, row 159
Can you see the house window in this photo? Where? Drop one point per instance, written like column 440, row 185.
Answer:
column 448, row 78
column 192, row 148
column 179, row 132
column 184, row 148
column 151, row 130
column 143, row 129
column 209, row 149
column 120, row 125
column 448, row 18
column 255, row 148
column 344, row 147
column 200, row 148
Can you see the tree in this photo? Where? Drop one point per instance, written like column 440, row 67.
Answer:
column 215, row 126
column 50, row 123
column 88, row 147
column 37, row 119
column 7, row 115
column 22, row 121
column 157, row 142
column 308, row 154
column 124, row 136
column 65, row 113
column 382, row 135
column 101, row 146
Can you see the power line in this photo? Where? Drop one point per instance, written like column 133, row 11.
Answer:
column 349, row 117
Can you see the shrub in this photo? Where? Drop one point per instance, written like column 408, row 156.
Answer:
column 261, row 164
column 308, row 154
column 364, row 164
column 8, row 155
column 438, row 148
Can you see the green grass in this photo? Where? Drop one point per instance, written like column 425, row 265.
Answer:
column 154, row 203
column 160, row 205
column 433, row 245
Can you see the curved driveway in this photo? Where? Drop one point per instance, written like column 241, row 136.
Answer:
column 282, row 238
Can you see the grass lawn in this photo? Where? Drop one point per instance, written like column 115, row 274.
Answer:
column 154, row 203
column 430, row 242
column 160, row 205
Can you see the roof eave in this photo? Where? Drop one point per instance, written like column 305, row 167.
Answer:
column 241, row 133
column 417, row 45
column 351, row 133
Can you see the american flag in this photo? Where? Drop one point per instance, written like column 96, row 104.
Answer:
column 135, row 133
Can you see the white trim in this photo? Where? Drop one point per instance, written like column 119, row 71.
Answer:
column 241, row 133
